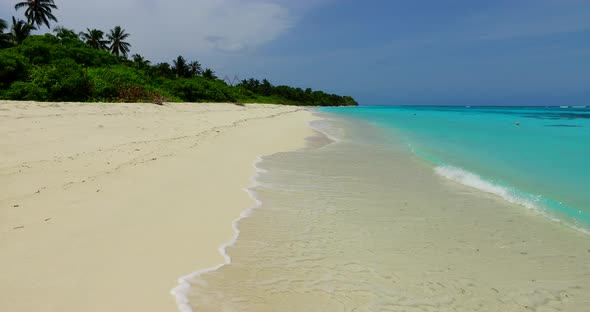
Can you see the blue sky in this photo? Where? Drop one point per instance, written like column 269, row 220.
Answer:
column 436, row 52
column 441, row 52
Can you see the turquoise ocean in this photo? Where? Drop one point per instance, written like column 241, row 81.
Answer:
column 536, row 157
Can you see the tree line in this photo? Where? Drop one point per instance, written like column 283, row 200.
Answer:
column 93, row 65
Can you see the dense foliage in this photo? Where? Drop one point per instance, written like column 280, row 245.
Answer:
column 93, row 66
column 266, row 92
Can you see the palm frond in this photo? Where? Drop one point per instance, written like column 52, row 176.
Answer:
column 38, row 11
column 21, row 5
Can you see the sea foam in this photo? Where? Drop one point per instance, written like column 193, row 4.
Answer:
column 536, row 203
column 325, row 127
column 181, row 291
column 475, row 181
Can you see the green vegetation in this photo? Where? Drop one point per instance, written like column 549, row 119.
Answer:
column 93, row 66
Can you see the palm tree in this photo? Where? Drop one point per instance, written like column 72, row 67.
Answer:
column 38, row 11
column 180, row 67
column 20, row 30
column 62, row 33
column 163, row 69
column 94, row 38
column 266, row 87
column 118, row 46
column 209, row 74
column 4, row 37
column 195, row 68
column 139, row 61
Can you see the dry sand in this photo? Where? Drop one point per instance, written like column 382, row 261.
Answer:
column 104, row 206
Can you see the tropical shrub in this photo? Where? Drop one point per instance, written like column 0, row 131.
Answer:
column 64, row 80
column 48, row 48
column 200, row 89
column 13, row 67
column 108, row 82
column 26, row 91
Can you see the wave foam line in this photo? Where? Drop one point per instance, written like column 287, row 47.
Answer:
column 473, row 180
column 323, row 126
column 535, row 203
column 181, row 291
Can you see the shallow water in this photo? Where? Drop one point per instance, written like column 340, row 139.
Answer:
column 533, row 156
column 361, row 225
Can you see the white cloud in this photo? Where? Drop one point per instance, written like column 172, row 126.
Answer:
column 163, row 29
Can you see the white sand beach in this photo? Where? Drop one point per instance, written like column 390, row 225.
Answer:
column 104, row 206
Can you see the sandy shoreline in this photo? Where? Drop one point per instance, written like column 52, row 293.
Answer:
column 105, row 206
column 364, row 225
